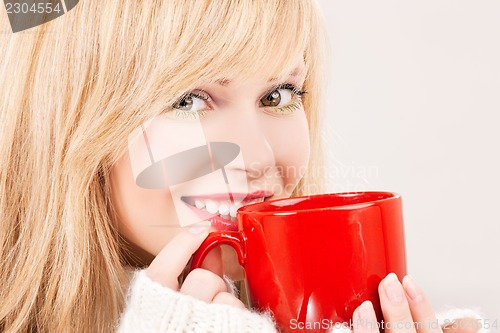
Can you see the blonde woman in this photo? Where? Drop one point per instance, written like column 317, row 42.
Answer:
column 83, row 246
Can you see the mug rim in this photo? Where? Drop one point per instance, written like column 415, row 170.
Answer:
column 250, row 209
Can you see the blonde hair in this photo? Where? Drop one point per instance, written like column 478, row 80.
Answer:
column 71, row 91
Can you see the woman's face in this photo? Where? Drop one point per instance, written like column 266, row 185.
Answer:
column 223, row 145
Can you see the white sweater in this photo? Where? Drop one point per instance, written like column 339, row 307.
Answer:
column 153, row 308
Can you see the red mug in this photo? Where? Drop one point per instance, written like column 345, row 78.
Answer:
column 312, row 260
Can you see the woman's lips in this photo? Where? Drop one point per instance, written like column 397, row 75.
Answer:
column 220, row 209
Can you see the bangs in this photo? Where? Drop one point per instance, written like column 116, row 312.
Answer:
column 213, row 40
column 266, row 37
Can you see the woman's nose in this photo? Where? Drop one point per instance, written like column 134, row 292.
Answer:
column 245, row 128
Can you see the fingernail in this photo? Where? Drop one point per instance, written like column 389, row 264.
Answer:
column 199, row 228
column 366, row 309
column 365, row 315
column 393, row 288
column 412, row 289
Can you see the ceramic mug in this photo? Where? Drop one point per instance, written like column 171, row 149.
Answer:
column 312, row 260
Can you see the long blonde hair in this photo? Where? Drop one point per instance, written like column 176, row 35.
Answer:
column 71, row 91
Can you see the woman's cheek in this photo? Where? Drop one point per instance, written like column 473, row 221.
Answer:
column 145, row 217
column 291, row 145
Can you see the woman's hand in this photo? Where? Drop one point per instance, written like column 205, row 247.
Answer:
column 406, row 309
column 204, row 283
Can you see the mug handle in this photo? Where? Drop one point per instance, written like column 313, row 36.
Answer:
column 232, row 238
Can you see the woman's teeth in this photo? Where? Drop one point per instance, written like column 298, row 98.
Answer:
column 232, row 211
column 224, row 208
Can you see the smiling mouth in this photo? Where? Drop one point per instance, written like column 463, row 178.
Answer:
column 221, row 209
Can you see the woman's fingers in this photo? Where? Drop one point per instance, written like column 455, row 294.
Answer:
column 203, row 284
column 229, row 299
column 405, row 307
column 420, row 307
column 172, row 259
column 209, row 287
column 364, row 319
column 395, row 307
column 463, row 325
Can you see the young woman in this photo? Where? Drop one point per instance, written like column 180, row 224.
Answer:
column 86, row 244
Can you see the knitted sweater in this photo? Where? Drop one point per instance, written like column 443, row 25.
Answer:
column 153, row 308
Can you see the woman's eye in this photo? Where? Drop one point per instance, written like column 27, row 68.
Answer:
column 192, row 103
column 284, row 100
column 277, row 98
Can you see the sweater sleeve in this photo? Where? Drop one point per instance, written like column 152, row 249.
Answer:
column 153, row 308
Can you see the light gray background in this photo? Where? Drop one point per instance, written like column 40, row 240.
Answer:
column 413, row 107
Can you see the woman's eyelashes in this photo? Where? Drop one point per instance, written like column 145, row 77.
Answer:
column 282, row 99
column 191, row 105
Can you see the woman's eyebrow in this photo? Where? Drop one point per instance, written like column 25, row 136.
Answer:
column 296, row 72
column 223, row 82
